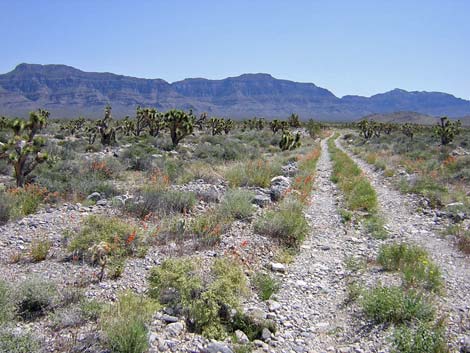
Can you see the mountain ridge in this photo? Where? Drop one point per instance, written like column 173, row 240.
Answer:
column 70, row 92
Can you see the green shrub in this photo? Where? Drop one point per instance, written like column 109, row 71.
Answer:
column 125, row 323
column 7, row 306
column 394, row 305
column 207, row 304
column 6, row 205
column 422, row 338
column 414, row 263
column 287, row 223
column 265, row 285
column 174, row 275
column 34, row 297
column 208, row 227
column 237, row 204
column 39, row 249
column 13, row 342
column 161, row 201
column 375, row 226
column 91, row 309
column 112, row 231
column 252, row 173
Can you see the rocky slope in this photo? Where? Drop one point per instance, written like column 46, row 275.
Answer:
column 69, row 92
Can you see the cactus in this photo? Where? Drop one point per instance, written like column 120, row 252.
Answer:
column 180, row 124
column 99, row 256
column 200, row 122
column 294, row 120
column 446, row 130
column 277, row 125
column 156, row 123
column 289, row 142
column 23, row 150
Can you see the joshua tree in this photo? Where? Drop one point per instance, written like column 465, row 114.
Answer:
column 446, row 130
column 180, row 124
column 23, row 150
column 228, row 126
column 289, row 142
column 408, row 130
column 216, row 125
column 366, row 128
column 156, row 123
column 294, row 120
column 105, row 129
column 201, row 121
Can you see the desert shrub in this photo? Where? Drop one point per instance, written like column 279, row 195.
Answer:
column 104, row 169
column 34, row 297
column 288, row 223
column 6, row 205
column 265, row 285
column 120, row 237
column 362, row 196
column 206, row 304
column 70, row 316
column 252, row 173
column 91, row 309
column 237, row 204
column 428, row 187
column 26, row 200
column 420, row 338
column 285, row 255
column 5, row 168
column 463, row 241
column 394, row 305
column 375, row 226
column 39, row 249
column 7, row 306
column 125, row 323
column 138, row 157
column 208, row 227
column 161, row 201
column 210, row 313
column 177, row 277
column 414, row 263
column 14, row 342
column 217, row 148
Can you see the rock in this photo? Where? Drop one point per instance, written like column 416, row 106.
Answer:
column 94, row 196
column 273, row 305
column 266, row 334
column 279, row 186
column 217, row 347
column 169, row 318
column 278, row 267
column 175, row 328
column 102, row 202
column 465, row 345
column 241, row 337
column 262, row 200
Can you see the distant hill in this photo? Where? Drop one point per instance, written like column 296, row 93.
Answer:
column 411, row 117
column 68, row 92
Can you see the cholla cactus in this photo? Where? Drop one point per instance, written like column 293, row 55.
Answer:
column 446, row 130
column 289, row 142
column 216, row 125
column 277, row 125
column 180, row 124
column 366, row 128
column 228, row 125
column 99, row 256
column 23, row 150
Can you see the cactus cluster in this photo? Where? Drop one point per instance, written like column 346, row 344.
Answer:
column 289, row 142
column 294, row 120
column 180, row 124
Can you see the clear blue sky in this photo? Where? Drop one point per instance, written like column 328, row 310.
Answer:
column 349, row 47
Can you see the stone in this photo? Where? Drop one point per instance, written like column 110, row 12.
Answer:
column 278, row 267
column 279, row 186
column 217, row 347
column 175, row 328
column 241, row 337
column 102, row 202
column 266, row 334
column 95, row 196
column 261, row 200
column 273, row 305
column 169, row 318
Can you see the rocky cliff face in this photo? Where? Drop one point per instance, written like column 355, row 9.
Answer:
column 69, row 92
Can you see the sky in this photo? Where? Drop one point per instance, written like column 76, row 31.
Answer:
column 358, row 47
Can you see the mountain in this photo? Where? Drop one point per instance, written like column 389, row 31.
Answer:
column 68, row 92
column 403, row 117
